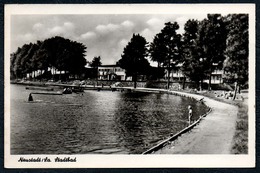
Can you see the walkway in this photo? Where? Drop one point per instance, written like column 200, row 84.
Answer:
column 213, row 135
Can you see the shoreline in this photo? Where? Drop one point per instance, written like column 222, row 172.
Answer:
column 212, row 135
column 188, row 139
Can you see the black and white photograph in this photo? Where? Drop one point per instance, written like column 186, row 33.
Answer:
column 129, row 85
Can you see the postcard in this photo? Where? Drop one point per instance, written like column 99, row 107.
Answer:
column 129, row 85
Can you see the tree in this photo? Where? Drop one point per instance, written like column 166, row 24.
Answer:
column 133, row 58
column 95, row 63
column 65, row 55
column 193, row 65
column 20, row 62
column 40, row 58
column 237, row 50
column 57, row 52
column 166, row 48
column 76, row 63
column 212, row 40
column 158, row 49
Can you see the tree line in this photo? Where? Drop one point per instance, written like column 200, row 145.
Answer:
column 57, row 52
column 217, row 42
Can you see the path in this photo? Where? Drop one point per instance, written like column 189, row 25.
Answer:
column 213, row 135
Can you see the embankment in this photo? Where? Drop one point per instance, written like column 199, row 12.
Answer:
column 213, row 135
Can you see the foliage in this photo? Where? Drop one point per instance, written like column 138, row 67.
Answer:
column 193, row 65
column 155, row 73
column 212, row 40
column 57, row 52
column 166, row 47
column 96, row 62
column 158, row 49
column 133, row 58
column 237, row 50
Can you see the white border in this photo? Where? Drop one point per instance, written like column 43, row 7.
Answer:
column 136, row 161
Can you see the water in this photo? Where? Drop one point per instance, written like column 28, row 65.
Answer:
column 102, row 122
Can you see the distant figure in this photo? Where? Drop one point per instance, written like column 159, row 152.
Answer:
column 30, row 98
column 190, row 113
column 201, row 100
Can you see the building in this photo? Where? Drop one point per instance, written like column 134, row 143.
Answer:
column 114, row 72
column 111, row 72
column 216, row 76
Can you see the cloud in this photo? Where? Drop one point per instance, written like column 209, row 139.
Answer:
column 154, row 26
column 88, row 35
column 107, row 28
column 69, row 25
column 154, row 21
column 25, row 38
column 148, row 34
column 104, row 35
column 66, row 30
column 57, row 30
column 37, row 27
column 127, row 24
column 123, row 42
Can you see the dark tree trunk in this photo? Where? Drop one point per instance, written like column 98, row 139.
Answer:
column 201, row 83
column 235, row 92
column 135, row 80
column 183, row 83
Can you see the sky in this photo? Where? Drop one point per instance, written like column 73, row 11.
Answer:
column 104, row 35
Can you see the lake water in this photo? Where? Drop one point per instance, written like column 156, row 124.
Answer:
column 102, row 122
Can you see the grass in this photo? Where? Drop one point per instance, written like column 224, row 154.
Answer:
column 240, row 140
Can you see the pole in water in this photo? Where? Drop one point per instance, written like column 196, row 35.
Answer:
column 30, row 98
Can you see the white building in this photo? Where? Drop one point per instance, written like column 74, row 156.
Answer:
column 216, row 76
column 111, row 72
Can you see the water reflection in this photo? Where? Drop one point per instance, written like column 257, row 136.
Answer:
column 96, row 122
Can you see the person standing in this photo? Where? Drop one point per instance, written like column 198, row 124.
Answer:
column 190, row 113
